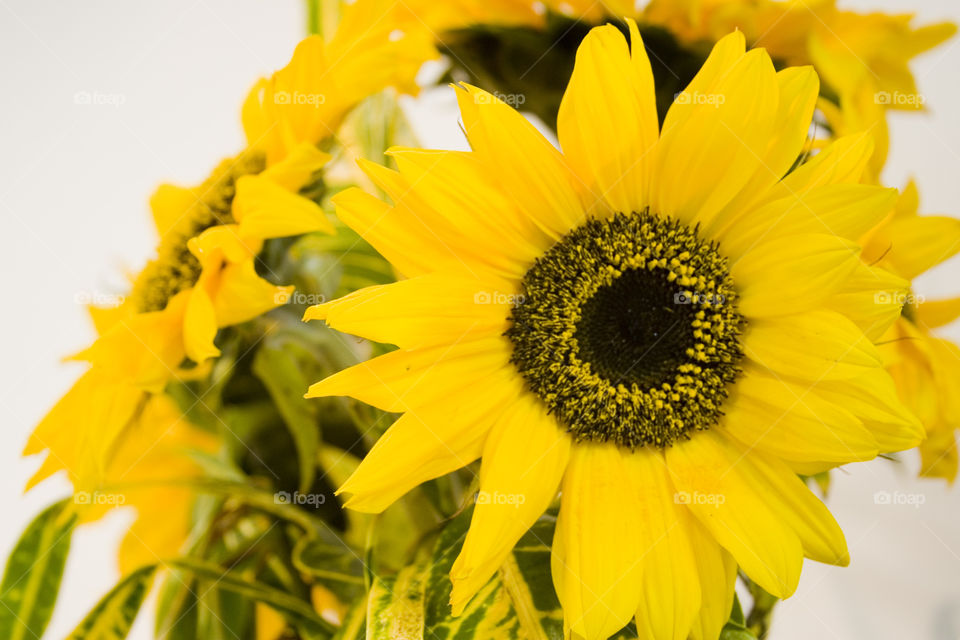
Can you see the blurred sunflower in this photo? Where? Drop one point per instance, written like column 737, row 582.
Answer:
column 667, row 326
column 925, row 368
column 862, row 59
column 206, row 275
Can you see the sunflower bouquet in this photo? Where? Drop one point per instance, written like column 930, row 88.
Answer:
column 587, row 379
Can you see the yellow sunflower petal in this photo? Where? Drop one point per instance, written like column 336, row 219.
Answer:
column 242, row 294
column 200, row 326
column 423, row 311
column 403, row 379
column 792, row 273
column 454, row 185
column 932, row 314
column 798, row 89
column 264, row 209
column 873, row 397
column 939, row 456
column 786, row 420
column 523, row 461
column 842, row 161
column 460, row 242
column 670, row 585
column 408, row 248
column 708, row 155
column 169, row 203
column 844, row 210
column 711, row 476
column 613, row 155
column 815, row 345
column 795, row 506
column 718, row 576
column 596, row 559
column 225, row 238
column 910, row 246
column 872, row 298
column 298, row 168
column 525, row 164
column 425, row 443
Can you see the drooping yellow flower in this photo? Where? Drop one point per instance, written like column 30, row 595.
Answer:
column 204, row 276
column 662, row 324
column 202, row 279
column 152, row 468
column 925, row 368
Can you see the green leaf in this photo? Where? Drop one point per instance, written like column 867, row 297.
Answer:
column 298, row 612
column 278, row 365
column 31, row 580
column 113, row 616
column 736, row 627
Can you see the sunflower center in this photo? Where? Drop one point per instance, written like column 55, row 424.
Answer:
column 629, row 330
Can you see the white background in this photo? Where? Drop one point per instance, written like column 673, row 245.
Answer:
column 74, row 184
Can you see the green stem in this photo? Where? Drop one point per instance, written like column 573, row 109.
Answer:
column 313, row 17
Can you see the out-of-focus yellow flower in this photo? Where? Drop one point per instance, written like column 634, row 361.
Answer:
column 151, row 469
column 372, row 49
column 925, row 368
column 862, row 59
column 203, row 277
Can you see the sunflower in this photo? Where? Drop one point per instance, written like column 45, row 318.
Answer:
column 665, row 325
column 205, row 274
column 926, row 368
column 862, row 59
column 203, row 278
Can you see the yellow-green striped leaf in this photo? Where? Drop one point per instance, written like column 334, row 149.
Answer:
column 113, row 616
column 34, row 569
column 518, row 603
